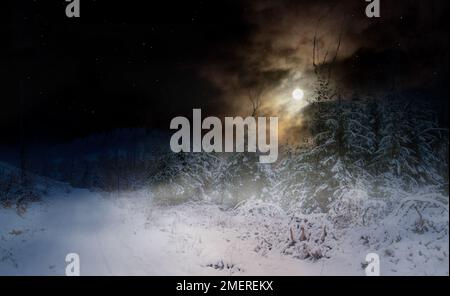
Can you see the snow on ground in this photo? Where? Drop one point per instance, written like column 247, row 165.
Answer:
column 128, row 235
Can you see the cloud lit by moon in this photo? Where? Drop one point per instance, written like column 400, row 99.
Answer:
column 277, row 53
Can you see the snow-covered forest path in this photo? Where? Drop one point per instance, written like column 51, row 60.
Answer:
column 125, row 237
column 129, row 235
column 82, row 223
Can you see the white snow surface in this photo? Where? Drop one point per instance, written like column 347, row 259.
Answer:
column 130, row 235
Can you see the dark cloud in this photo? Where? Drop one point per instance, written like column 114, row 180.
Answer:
column 408, row 45
column 407, row 48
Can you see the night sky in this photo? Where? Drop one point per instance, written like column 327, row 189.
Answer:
column 141, row 63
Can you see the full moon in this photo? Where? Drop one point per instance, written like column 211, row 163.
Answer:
column 298, row 94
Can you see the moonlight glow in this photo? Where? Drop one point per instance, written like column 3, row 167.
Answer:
column 298, row 94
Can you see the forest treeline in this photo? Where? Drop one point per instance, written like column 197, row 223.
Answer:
column 368, row 148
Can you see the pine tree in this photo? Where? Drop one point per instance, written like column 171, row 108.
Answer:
column 409, row 134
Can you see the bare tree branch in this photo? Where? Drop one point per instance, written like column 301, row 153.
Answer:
column 333, row 61
column 255, row 96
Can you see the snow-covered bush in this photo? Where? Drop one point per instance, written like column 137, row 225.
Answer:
column 17, row 189
column 186, row 177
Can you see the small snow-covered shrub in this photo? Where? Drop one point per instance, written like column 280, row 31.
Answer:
column 185, row 177
column 17, row 190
